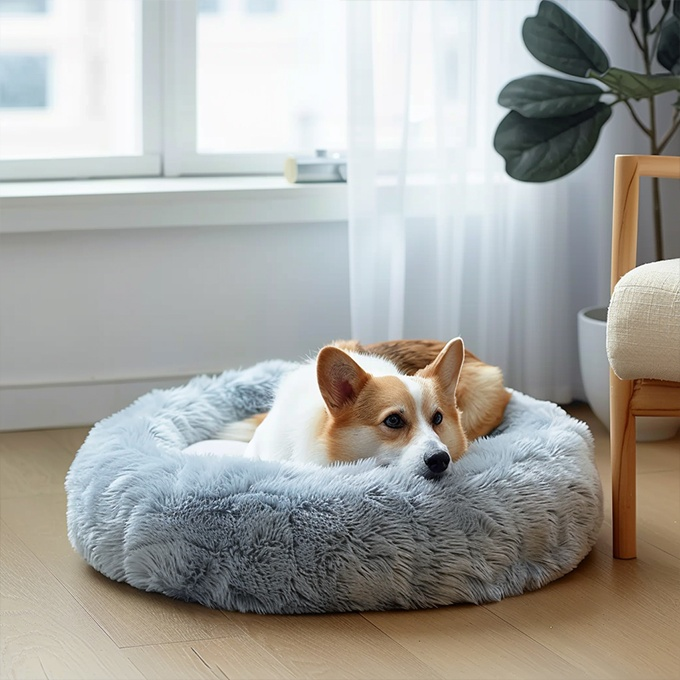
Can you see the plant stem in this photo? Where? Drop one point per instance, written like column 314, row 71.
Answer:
column 657, row 30
column 669, row 135
column 636, row 118
column 656, row 196
column 658, row 231
column 635, row 35
column 654, row 148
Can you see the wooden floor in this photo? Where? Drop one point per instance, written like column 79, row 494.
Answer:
column 60, row 619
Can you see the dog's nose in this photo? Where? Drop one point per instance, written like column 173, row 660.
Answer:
column 437, row 461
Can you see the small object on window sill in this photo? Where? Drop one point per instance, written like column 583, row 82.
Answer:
column 323, row 167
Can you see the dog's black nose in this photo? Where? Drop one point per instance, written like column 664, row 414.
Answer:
column 437, row 461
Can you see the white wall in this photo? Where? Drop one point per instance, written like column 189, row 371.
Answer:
column 91, row 319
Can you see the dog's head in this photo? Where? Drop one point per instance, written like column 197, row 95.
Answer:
column 395, row 418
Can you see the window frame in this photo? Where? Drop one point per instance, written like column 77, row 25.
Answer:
column 149, row 162
column 180, row 154
column 169, row 115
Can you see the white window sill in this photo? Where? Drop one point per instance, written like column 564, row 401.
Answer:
column 77, row 205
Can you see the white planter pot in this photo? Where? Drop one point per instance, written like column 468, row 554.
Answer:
column 592, row 348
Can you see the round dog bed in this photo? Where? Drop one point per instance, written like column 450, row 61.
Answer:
column 522, row 508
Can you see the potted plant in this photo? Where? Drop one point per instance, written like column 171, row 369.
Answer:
column 555, row 121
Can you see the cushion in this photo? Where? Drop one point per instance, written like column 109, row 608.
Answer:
column 643, row 323
column 520, row 509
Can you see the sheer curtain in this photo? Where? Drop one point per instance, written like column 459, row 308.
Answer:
column 442, row 242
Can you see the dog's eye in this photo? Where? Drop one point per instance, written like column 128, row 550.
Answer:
column 394, row 421
column 437, row 418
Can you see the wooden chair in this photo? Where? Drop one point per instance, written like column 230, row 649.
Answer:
column 633, row 394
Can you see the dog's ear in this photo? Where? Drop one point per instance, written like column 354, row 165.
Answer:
column 446, row 367
column 340, row 378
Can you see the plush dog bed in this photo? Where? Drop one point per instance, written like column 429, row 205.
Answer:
column 520, row 509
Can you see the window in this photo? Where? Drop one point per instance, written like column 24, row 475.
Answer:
column 69, row 79
column 174, row 87
column 270, row 77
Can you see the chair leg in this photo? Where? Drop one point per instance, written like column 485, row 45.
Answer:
column 622, row 442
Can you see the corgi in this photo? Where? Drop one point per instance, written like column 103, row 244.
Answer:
column 481, row 395
column 346, row 405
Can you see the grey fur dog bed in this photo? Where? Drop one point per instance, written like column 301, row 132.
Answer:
column 522, row 508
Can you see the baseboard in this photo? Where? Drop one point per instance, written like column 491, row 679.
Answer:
column 69, row 405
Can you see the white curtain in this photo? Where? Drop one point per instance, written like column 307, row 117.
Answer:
column 442, row 242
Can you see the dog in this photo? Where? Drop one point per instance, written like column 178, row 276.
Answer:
column 481, row 394
column 384, row 401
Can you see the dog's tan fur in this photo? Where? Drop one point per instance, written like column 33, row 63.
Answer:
column 481, row 396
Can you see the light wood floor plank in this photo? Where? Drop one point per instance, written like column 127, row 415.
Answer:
column 652, row 580
column 659, row 510
column 70, row 439
column 333, row 646
column 45, row 632
column 606, row 617
column 468, row 641
column 658, row 456
column 236, row 658
column 131, row 617
column 31, row 464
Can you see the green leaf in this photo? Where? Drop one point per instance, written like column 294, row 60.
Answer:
column 668, row 52
column 629, row 6
column 637, row 85
column 632, row 6
column 542, row 149
column 556, row 39
column 547, row 96
column 675, row 10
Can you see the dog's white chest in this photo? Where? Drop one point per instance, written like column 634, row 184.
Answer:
column 290, row 430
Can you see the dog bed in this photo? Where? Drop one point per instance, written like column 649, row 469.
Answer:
column 522, row 508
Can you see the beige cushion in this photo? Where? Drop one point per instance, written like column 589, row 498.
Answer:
column 643, row 323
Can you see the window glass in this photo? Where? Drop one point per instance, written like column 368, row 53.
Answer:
column 23, row 81
column 23, row 6
column 271, row 76
column 205, row 6
column 263, row 6
column 70, row 78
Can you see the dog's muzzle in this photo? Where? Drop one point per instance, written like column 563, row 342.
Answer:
column 437, row 461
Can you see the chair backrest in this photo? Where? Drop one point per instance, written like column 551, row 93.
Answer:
column 627, row 173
